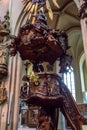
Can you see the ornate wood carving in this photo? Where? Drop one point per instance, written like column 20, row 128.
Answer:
column 3, row 62
column 46, row 95
column 46, row 88
column 3, row 95
column 83, row 10
column 38, row 43
column 71, row 110
column 46, row 120
column 4, row 28
column 4, row 33
column 52, row 93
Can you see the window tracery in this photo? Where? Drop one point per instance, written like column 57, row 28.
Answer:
column 68, row 78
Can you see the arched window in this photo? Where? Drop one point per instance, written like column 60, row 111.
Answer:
column 68, row 78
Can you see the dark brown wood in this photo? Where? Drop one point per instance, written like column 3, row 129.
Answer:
column 50, row 93
column 45, row 93
column 82, row 13
column 38, row 43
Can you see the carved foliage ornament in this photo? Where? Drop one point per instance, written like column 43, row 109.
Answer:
column 3, row 95
column 38, row 43
column 4, row 34
column 82, row 13
column 4, row 27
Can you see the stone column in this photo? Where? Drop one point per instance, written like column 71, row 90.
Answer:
column 4, row 106
column 11, row 93
column 12, row 118
column 16, row 94
column 8, row 110
column 84, row 35
column 83, row 20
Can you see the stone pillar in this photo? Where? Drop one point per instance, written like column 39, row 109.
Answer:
column 16, row 94
column 82, row 13
column 83, row 20
column 84, row 35
column 4, row 106
column 12, row 118
column 11, row 94
column 4, row 35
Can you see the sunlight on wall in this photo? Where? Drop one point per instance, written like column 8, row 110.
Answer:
column 5, row 1
column 4, row 5
column 81, row 72
column 85, row 75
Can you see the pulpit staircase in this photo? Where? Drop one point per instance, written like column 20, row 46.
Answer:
column 70, row 110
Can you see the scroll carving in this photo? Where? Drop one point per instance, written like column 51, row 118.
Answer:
column 82, row 13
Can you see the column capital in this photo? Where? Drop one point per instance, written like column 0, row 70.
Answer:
column 82, row 13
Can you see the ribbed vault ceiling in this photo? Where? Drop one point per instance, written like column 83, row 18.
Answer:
column 65, row 18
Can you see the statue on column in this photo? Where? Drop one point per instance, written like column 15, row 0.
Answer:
column 4, row 33
column 3, row 59
column 44, row 121
column 3, row 94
